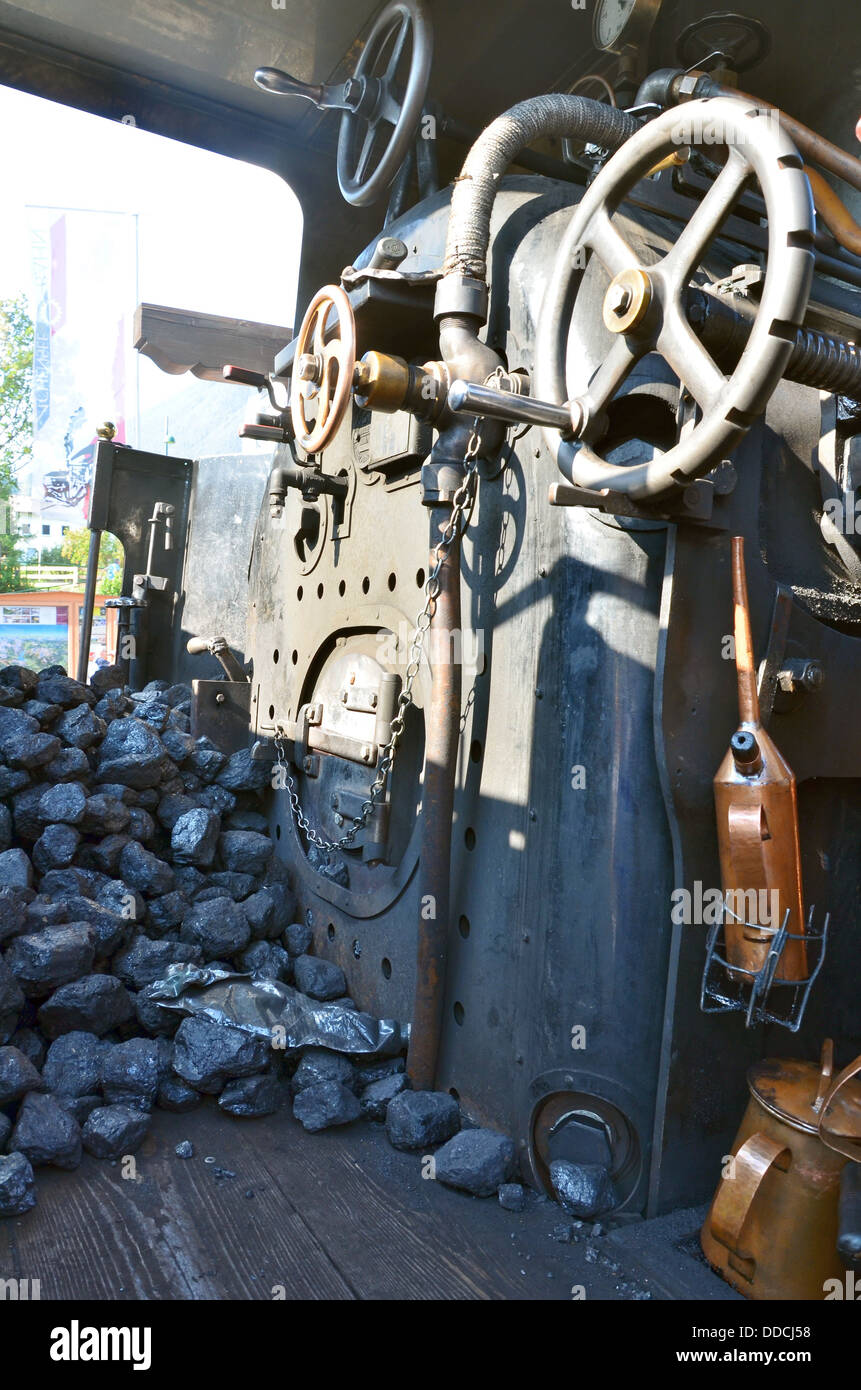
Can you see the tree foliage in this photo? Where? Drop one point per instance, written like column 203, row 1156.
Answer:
column 76, row 550
column 16, row 422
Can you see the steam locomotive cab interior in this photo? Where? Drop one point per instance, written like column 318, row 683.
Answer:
column 579, row 303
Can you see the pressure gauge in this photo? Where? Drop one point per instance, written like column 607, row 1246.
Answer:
column 621, row 24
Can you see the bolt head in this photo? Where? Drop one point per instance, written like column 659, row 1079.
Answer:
column 307, row 368
column 619, row 299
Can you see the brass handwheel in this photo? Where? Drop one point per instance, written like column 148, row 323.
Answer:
column 323, row 369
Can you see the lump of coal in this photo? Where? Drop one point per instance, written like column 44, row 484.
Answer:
column 266, row 914
column 421, row 1119
column 19, row 678
column 219, row 927
column 130, row 1073
column 55, row 848
column 141, row 826
column 145, row 871
column 12, row 781
column 584, row 1189
column 106, row 678
column 79, row 1107
column 112, row 1131
column 250, row 1097
column 17, row 1188
column 298, row 938
column 368, row 1072
column 13, row 919
column 325, row 1104
column 11, row 1002
column 238, row 885
column 176, row 1095
column 166, row 912
column 375, row 1098
column 105, row 815
column 62, row 690
column 319, row 1064
column 31, row 1044
column 243, row 774
column 70, row 765
column 45, row 1134
column 16, row 871
column 476, row 1161
column 118, row 897
column 266, row 959
column 17, row 1076
column 112, row 704
column 245, row 851
column 34, row 750
column 73, row 1066
column 207, row 1054
column 206, row 760
column 43, row 912
column 95, row 1004
column 322, row 979
column 80, row 728
column 131, row 753
column 144, row 961
column 65, row 801
column 512, row 1196
column 52, row 957
column 109, row 928
column 195, row 836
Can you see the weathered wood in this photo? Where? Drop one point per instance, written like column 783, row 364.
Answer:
column 338, row 1215
column 181, row 341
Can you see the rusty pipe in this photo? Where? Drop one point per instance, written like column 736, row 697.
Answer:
column 834, row 212
column 748, row 698
column 812, row 145
column 442, row 728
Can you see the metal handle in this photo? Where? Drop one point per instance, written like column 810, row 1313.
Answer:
column 465, row 397
column 843, row 1144
column 280, row 83
column 734, row 1199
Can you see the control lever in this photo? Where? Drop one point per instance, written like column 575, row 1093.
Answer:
column 241, row 376
column 217, row 647
column 467, row 398
column 341, row 96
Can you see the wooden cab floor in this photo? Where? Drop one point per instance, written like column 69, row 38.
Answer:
column 282, row 1214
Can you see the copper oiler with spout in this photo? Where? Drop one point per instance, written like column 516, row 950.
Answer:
column 757, row 823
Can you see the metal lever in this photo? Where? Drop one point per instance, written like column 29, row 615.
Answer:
column 271, row 434
column 343, row 96
column 219, row 648
column 466, row 397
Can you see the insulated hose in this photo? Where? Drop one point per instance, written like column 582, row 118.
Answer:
column 557, row 114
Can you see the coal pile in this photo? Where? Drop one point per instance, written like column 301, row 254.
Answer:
column 128, row 847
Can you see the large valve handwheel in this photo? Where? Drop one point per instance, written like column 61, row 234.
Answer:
column 361, row 181
column 323, row 369
column 644, row 305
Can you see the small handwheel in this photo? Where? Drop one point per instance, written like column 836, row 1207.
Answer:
column 323, row 370
column 382, row 104
column 644, row 305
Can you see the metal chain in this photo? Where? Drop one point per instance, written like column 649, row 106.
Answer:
column 460, row 504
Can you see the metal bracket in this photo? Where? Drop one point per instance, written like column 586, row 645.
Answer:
column 725, row 991
column 695, row 503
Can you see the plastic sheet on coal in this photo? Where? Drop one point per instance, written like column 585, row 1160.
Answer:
column 262, row 1006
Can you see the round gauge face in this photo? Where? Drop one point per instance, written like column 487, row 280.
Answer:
column 611, row 17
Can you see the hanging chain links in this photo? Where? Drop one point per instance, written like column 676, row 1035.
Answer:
column 456, row 525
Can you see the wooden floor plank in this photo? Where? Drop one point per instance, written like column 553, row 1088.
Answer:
column 338, row 1215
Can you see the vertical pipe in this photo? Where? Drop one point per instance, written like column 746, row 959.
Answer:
column 442, row 726
column 89, row 605
column 748, row 699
